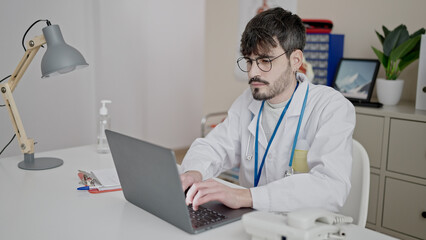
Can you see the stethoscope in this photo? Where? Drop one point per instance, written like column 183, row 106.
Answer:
column 258, row 172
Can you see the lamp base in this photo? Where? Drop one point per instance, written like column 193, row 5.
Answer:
column 31, row 163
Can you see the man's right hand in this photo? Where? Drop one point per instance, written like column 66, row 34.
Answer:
column 189, row 178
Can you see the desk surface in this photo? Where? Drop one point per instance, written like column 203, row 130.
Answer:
column 46, row 205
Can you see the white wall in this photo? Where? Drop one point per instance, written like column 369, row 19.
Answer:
column 150, row 63
column 146, row 56
column 221, row 86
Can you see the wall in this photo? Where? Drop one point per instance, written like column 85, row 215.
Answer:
column 149, row 57
column 356, row 19
column 146, row 56
column 221, row 87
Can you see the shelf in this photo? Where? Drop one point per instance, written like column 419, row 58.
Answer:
column 404, row 110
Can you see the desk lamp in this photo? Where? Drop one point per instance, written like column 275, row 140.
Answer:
column 59, row 58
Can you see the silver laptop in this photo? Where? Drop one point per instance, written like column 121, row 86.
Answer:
column 150, row 180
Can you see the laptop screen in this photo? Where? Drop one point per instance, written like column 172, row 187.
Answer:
column 355, row 78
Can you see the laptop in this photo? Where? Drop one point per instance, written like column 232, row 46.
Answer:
column 355, row 79
column 150, row 180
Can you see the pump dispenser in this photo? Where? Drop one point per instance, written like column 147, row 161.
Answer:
column 104, row 122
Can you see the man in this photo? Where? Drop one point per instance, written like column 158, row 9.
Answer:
column 280, row 113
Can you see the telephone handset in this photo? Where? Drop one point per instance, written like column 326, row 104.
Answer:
column 310, row 223
column 307, row 218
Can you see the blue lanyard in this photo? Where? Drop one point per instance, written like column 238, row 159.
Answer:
column 257, row 172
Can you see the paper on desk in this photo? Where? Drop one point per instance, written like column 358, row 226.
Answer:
column 108, row 178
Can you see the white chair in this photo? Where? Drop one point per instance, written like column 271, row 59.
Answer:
column 356, row 204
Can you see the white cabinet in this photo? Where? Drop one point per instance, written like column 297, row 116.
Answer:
column 369, row 131
column 403, row 207
column 395, row 140
column 407, row 148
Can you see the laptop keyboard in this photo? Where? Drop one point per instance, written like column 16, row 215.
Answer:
column 203, row 216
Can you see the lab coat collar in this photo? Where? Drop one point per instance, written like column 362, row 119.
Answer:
column 293, row 110
column 254, row 107
column 297, row 102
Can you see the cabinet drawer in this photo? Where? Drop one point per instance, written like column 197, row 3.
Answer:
column 369, row 132
column 407, row 147
column 373, row 199
column 403, row 207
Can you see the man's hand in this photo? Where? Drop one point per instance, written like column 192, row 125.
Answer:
column 211, row 190
column 189, row 178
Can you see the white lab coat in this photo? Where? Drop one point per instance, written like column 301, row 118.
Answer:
column 327, row 127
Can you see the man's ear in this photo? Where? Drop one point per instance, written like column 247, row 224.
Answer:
column 296, row 59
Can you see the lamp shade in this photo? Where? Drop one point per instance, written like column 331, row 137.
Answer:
column 60, row 57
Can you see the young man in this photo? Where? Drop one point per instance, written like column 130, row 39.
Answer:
column 280, row 113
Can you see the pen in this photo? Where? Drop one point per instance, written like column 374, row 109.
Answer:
column 87, row 188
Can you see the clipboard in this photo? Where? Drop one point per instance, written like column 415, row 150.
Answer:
column 108, row 176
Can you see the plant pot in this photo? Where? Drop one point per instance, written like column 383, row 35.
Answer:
column 389, row 91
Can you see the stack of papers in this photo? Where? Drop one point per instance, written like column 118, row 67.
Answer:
column 106, row 179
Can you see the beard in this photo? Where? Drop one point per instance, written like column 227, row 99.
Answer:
column 271, row 91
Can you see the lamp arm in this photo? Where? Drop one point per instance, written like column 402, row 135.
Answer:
column 26, row 144
column 32, row 48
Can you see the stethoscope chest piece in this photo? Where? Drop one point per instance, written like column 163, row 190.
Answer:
column 288, row 173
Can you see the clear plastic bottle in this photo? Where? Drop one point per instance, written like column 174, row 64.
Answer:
column 104, row 122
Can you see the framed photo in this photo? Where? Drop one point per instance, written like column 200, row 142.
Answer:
column 355, row 78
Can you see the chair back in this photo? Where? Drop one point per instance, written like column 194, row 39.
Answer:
column 356, row 204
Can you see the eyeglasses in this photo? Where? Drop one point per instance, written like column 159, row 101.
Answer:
column 263, row 63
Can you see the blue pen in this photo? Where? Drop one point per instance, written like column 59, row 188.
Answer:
column 86, row 188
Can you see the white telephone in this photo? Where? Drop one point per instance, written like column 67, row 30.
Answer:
column 305, row 224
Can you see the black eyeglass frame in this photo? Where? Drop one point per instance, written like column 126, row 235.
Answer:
column 257, row 62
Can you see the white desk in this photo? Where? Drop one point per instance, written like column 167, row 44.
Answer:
column 46, row 205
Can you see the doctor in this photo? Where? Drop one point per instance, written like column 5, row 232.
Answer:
column 279, row 117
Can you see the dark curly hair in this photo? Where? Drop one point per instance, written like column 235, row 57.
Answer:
column 258, row 36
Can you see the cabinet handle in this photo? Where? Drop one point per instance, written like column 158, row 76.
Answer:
column 424, row 214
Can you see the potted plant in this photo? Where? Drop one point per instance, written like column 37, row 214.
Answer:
column 399, row 50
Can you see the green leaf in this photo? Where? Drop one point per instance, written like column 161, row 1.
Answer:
column 392, row 39
column 381, row 38
column 404, row 36
column 418, row 32
column 408, row 59
column 385, row 31
column 417, row 47
column 382, row 58
column 404, row 49
column 392, row 71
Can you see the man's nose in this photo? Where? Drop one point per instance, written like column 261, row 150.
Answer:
column 254, row 71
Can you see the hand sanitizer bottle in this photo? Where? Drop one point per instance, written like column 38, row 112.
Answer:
column 103, row 123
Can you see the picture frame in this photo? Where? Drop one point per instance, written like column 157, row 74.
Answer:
column 355, row 78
